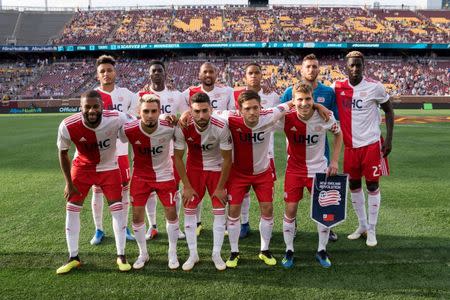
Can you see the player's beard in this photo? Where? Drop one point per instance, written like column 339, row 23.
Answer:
column 202, row 124
column 208, row 81
column 151, row 124
column 91, row 123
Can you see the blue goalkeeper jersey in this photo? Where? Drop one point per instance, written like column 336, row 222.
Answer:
column 324, row 95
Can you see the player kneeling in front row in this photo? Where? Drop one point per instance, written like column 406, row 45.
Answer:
column 94, row 133
column 150, row 139
column 208, row 166
column 305, row 133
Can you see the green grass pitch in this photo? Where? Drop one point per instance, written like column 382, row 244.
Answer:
column 412, row 259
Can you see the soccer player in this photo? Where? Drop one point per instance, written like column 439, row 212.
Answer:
column 322, row 94
column 221, row 98
column 171, row 103
column 305, row 133
column 120, row 99
column 151, row 139
column 253, row 78
column 251, row 130
column 208, row 165
column 358, row 100
column 94, row 132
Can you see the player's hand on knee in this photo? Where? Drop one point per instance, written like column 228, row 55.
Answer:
column 221, row 194
column 188, row 195
column 70, row 190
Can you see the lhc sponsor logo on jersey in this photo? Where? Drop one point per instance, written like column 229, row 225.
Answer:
column 203, row 147
column 251, row 137
column 151, row 151
column 329, row 199
column 166, row 109
column 354, row 104
column 214, row 104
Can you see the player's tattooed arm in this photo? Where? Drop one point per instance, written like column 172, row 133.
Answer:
column 389, row 117
column 323, row 111
column 220, row 192
column 188, row 192
column 64, row 162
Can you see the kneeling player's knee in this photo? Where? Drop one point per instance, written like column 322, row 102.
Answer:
column 372, row 186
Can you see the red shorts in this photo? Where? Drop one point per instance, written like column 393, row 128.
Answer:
column 294, row 185
column 274, row 171
column 141, row 188
column 175, row 172
column 239, row 184
column 108, row 181
column 200, row 181
column 124, row 167
column 367, row 161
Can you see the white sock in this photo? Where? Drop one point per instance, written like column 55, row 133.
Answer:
column 359, row 205
column 234, row 228
column 139, row 234
column 97, row 207
column 218, row 229
column 150, row 208
column 324, row 234
column 72, row 227
column 245, row 209
column 178, row 202
column 190, row 223
column 265, row 231
column 125, row 203
column 199, row 212
column 172, row 228
column 116, row 210
column 289, row 232
column 374, row 200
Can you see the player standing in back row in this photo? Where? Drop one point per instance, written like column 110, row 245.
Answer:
column 123, row 100
column 358, row 99
column 221, row 98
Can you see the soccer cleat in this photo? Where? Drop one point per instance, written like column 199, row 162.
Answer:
column 245, row 230
column 371, row 238
column 333, row 236
column 323, row 259
column 173, row 263
column 140, row 262
column 98, row 237
column 181, row 235
column 190, row 262
column 152, row 233
column 288, row 260
column 130, row 237
column 359, row 232
column 267, row 257
column 218, row 262
column 74, row 262
column 232, row 262
column 199, row 229
column 122, row 263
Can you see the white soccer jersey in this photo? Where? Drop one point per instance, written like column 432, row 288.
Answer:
column 151, row 151
column 221, row 96
column 251, row 145
column 204, row 147
column 306, row 143
column 95, row 147
column 267, row 101
column 171, row 100
column 359, row 112
column 123, row 100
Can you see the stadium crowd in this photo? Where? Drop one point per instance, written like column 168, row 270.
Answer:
column 68, row 78
column 336, row 24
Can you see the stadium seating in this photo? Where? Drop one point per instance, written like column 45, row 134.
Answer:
column 217, row 24
column 8, row 20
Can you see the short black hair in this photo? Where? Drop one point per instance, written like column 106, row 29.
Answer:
column 105, row 59
column 200, row 98
column 252, row 64
column 248, row 95
column 91, row 94
column 157, row 62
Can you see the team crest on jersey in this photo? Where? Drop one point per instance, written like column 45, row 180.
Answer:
column 170, row 100
column 120, row 98
column 162, row 140
column 363, row 94
column 318, row 128
column 320, row 99
column 109, row 132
